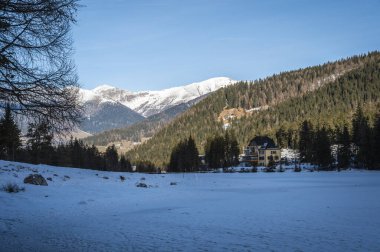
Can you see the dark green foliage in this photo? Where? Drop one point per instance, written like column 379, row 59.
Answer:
column 325, row 95
column 222, row 151
column 184, row 157
column 306, row 136
column 9, row 136
column 72, row 154
column 111, row 158
column 232, row 149
column 40, row 149
column 362, row 134
column 77, row 154
column 376, row 143
column 322, row 150
column 344, row 148
column 124, row 164
column 282, row 137
column 215, row 152
column 359, row 125
column 39, row 143
column 146, row 167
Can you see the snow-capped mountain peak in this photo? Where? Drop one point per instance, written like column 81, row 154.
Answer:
column 148, row 103
column 102, row 88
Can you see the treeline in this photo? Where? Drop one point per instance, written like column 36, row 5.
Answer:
column 222, row 151
column 184, row 157
column 39, row 148
column 325, row 95
column 358, row 148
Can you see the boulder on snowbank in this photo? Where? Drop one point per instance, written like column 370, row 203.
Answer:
column 141, row 184
column 35, row 179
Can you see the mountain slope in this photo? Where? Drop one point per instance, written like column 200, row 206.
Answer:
column 101, row 116
column 290, row 98
column 107, row 107
column 148, row 103
column 139, row 131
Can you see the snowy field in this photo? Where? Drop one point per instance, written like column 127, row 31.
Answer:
column 319, row 211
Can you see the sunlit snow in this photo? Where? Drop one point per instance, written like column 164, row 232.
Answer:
column 95, row 211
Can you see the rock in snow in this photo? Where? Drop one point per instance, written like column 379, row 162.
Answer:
column 35, row 179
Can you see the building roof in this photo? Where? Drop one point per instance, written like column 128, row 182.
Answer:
column 263, row 142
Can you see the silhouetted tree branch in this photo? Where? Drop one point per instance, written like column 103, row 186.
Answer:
column 37, row 75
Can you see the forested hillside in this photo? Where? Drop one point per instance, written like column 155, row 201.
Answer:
column 143, row 129
column 326, row 94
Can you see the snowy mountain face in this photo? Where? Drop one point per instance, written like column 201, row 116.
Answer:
column 108, row 107
column 148, row 103
column 102, row 116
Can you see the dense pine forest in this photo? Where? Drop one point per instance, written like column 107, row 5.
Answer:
column 327, row 96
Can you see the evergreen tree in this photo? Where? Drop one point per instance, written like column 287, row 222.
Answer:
column 9, row 136
column 145, row 166
column 222, row 151
column 192, row 155
column 358, row 123
column 376, row 143
column 344, row 148
column 306, row 142
column 174, row 165
column 124, row 164
column 215, row 154
column 111, row 158
column 282, row 137
column 322, row 145
column 77, row 153
column 40, row 142
column 232, row 151
column 184, row 157
column 362, row 139
column 95, row 159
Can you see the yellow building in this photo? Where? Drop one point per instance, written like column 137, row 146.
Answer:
column 266, row 155
column 260, row 151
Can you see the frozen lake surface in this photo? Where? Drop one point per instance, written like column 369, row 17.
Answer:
column 319, row 211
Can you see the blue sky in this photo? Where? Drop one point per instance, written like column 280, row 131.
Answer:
column 151, row 45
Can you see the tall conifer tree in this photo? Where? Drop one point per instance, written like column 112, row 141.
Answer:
column 9, row 135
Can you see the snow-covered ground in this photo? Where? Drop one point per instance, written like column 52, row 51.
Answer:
column 318, row 211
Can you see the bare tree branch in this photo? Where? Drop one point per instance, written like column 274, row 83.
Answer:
column 37, row 76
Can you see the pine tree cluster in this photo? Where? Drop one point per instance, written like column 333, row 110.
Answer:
column 39, row 148
column 184, row 157
column 360, row 149
column 222, row 151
